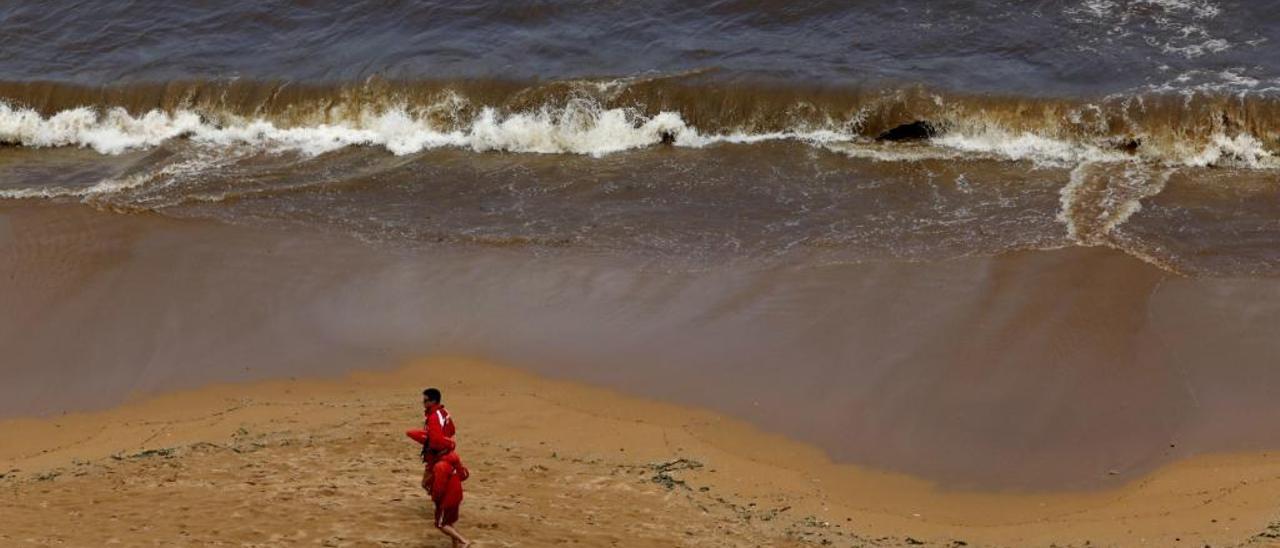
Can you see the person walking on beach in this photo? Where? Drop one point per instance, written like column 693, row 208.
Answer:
column 443, row 472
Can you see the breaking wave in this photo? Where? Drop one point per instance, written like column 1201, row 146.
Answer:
column 597, row 117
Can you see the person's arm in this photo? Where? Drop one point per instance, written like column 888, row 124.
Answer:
column 417, row 434
column 459, row 468
column 426, row 479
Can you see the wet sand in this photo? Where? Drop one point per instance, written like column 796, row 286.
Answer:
column 307, row 462
column 192, row 382
column 1038, row 371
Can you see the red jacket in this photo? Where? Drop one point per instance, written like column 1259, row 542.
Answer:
column 437, row 435
column 440, row 430
column 447, row 475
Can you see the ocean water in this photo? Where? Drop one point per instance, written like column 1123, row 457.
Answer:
column 995, row 244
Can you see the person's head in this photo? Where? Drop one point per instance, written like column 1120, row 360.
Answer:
column 430, row 396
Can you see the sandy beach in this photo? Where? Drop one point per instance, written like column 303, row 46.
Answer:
column 325, row 462
column 688, row 273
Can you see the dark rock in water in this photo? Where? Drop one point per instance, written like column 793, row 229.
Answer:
column 914, row 131
column 668, row 138
column 1129, row 144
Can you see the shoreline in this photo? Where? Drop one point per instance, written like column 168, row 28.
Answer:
column 599, row 466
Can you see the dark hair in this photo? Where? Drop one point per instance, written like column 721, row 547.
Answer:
column 431, row 394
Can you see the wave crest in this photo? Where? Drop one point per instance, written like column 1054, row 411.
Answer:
column 597, row 117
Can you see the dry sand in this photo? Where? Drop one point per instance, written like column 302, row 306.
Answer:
column 325, row 462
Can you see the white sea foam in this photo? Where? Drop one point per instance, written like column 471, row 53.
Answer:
column 893, row 153
column 1241, row 150
column 33, row 193
column 1200, row 9
column 1026, row 146
column 1099, row 198
column 104, row 187
column 1191, row 51
column 1175, row 27
column 110, row 133
column 581, row 127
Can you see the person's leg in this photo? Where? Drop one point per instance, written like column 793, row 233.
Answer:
column 458, row 540
column 445, row 518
